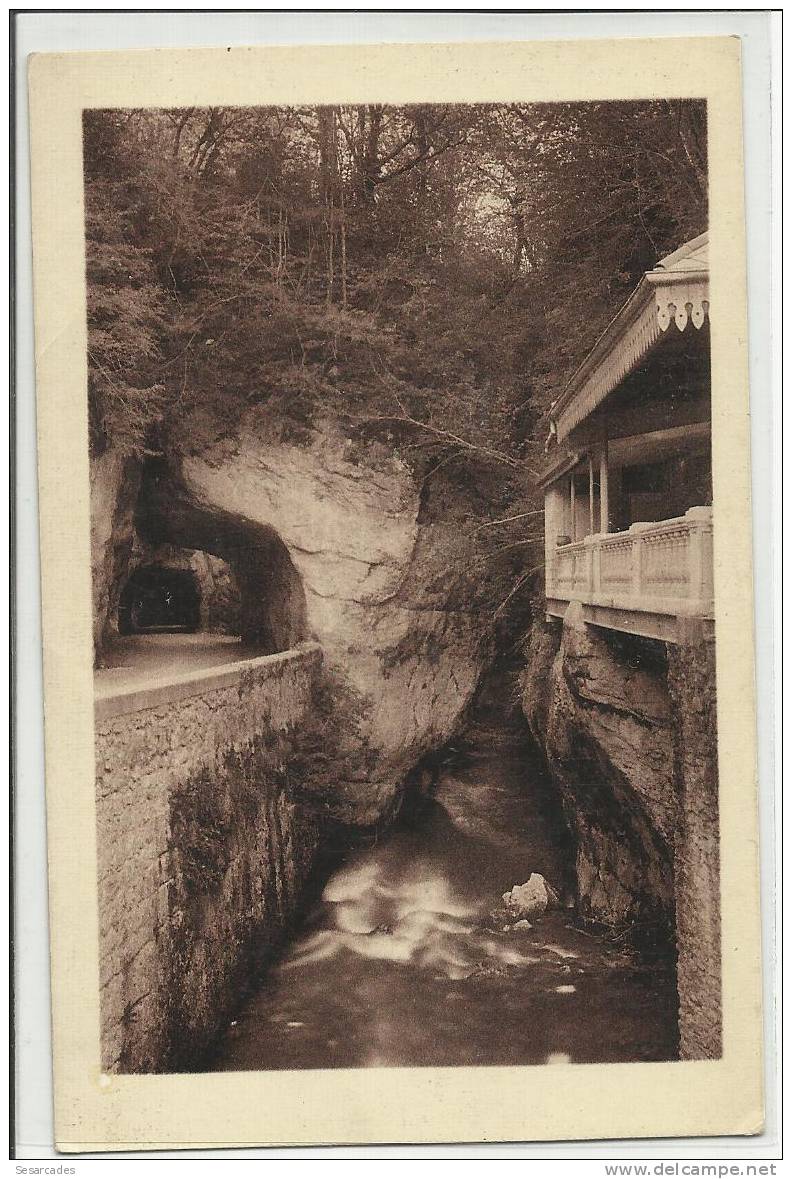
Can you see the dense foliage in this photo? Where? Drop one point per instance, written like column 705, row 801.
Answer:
column 429, row 274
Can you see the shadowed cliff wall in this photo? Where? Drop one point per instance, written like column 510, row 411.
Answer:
column 628, row 730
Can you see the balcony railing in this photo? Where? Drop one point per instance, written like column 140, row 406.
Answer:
column 660, row 569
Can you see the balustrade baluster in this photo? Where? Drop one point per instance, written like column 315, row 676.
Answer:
column 637, row 554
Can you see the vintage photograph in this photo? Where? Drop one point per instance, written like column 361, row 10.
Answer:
column 402, row 569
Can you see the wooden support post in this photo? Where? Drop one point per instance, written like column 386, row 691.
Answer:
column 572, row 522
column 555, row 514
column 604, row 505
column 592, row 528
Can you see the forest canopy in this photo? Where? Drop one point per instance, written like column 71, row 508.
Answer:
column 450, row 264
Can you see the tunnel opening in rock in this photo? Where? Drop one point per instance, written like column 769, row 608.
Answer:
column 156, row 599
column 271, row 597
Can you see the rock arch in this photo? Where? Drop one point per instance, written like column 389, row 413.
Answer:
column 273, row 609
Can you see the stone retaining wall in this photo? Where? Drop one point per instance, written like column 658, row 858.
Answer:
column 202, row 854
column 691, row 683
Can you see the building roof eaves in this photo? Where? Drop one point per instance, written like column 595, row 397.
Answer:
column 638, row 324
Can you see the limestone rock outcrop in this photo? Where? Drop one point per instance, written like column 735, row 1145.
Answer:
column 380, row 592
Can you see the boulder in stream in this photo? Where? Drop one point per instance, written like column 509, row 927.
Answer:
column 531, row 899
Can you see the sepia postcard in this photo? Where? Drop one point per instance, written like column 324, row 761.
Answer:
column 397, row 601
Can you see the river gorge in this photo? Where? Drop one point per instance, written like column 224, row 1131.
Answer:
column 405, row 959
column 346, row 763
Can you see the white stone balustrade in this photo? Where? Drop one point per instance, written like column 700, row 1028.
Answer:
column 662, row 569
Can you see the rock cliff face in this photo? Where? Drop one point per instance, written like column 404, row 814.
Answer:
column 339, row 545
column 603, row 718
column 115, row 484
column 629, row 732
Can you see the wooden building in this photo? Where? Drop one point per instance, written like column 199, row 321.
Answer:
column 628, row 484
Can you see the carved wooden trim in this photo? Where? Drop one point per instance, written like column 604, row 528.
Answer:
column 660, row 300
